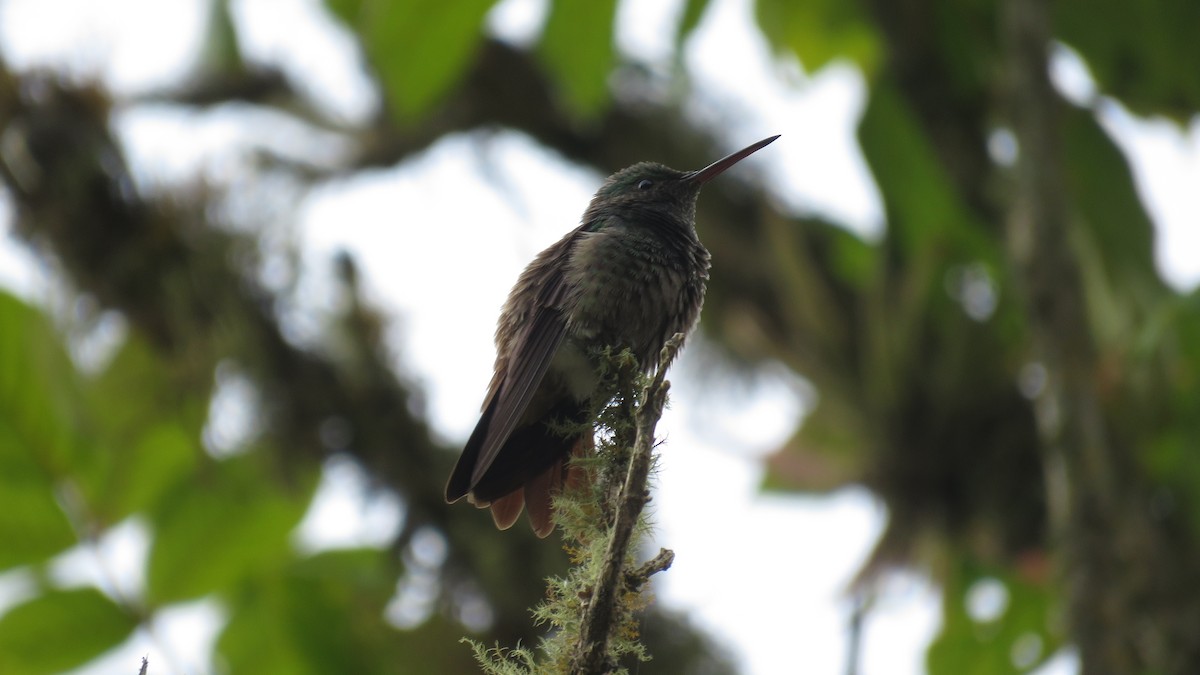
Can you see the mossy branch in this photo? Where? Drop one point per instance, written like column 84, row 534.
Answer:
column 594, row 608
column 591, row 650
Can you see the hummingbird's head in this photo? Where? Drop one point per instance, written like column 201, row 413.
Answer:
column 646, row 192
column 653, row 193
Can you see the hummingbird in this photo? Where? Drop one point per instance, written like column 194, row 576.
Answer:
column 631, row 275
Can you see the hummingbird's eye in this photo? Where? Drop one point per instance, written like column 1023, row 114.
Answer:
column 645, row 184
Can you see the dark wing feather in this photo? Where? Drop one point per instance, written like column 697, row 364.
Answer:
column 526, row 368
column 523, row 366
column 460, row 479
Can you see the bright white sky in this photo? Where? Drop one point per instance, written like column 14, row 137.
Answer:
column 797, row 553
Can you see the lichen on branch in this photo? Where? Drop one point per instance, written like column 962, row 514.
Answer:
column 593, row 610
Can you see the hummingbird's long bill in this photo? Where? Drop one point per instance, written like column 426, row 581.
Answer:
column 718, row 167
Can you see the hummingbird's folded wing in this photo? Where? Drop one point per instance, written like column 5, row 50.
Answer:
column 534, row 317
column 527, row 366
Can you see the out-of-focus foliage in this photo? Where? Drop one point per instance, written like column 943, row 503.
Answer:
column 820, row 32
column 1140, row 53
column 918, row 344
column 32, row 633
column 84, row 452
column 940, row 421
column 1011, row 626
column 34, row 435
column 418, row 48
column 577, row 48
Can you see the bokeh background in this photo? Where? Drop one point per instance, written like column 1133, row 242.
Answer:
column 942, row 414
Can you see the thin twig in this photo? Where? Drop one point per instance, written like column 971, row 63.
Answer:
column 659, row 563
column 591, row 652
column 858, row 615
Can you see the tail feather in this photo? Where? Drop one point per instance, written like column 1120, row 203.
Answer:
column 507, row 509
column 539, row 496
column 562, row 475
column 529, row 470
column 576, row 475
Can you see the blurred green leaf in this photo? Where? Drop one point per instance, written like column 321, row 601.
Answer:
column 689, row 18
column 930, row 233
column 924, row 213
column 819, row 31
column 324, row 614
column 32, row 525
column 1117, row 254
column 159, row 460
column 37, row 439
column 222, row 53
column 230, row 521
column 37, row 384
column 1152, row 76
column 258, row 638
column 145, row 425
column 1103, row 184
column 60, row 630
column 1017, row 641
column 348, row 11
column 577, row 48
column 140, row 388
column 418, row 47
column 355, row 586
column 855, row 261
